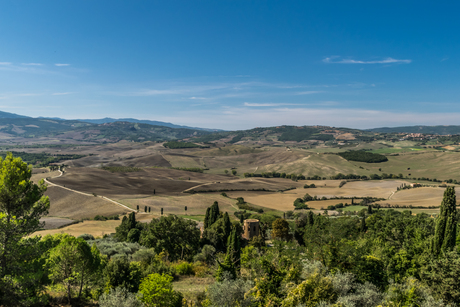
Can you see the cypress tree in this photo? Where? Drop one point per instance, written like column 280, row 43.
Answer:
column 215, row 213
column 226, row 266
column 363, row 225
column 227, row 227
column 161, row 211
column 369, row 209
column 310, row 218
column 132, row 221
column 207, row 218
column 242, row 219
column 234, row 247
column 446, row 223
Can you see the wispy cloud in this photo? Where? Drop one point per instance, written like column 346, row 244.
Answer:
column 268, row 104
column 197, row 98
column 29, row 94
column 308, row 92
column 32, row 64
column 60, row 64
column 5, row 63
column 339, row 60
column 60, row 94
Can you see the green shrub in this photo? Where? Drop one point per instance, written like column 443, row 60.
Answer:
column 119, row 297
column 184, row 268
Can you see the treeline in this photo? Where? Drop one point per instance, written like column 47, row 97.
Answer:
column 41, row 159
column 177, row 145
column 281, row 175
column 298, row 134
column 300, row 203
column 362, row 156
column 121, row 169
column 189, row 169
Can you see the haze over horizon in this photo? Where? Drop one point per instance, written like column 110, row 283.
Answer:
column 233, row 64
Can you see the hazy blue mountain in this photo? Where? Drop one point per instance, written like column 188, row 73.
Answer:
column 440, row 130
column 11, row 115
column 141, row 121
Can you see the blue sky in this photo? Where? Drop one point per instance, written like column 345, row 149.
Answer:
column 233, row 64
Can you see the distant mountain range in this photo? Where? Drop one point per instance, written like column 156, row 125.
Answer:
column 440, row 130
column 141, row 121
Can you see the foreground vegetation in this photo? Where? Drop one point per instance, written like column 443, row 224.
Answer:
column 375, row 258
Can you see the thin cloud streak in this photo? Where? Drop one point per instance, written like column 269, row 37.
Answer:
column 59, row 94
column 268, row 104
column 309, row 92
column 389, row 60
column 32, row 64
column 247, row 118
column 61, row 65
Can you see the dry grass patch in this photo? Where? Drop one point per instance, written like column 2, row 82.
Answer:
column 65, row 203
column 425, row 197
column 95, row 228
column 196, row 203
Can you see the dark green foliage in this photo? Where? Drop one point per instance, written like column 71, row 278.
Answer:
column 41, row 159
column 176, row 145
column 363, row 227
column 226, row 269
column 127, row 224
column 189, row 169
column 133, row 235
column 227, row 227
column 120, row 273
column 234, row 247
column 442, row 275
column 446, row 223
column 106, row 218
column 298, row 134
column 280, row 230
column 212, row 214
column 363, row 156
column 178, row 237
column 121, row 169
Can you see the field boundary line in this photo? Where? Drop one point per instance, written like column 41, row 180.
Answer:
column 86, row 194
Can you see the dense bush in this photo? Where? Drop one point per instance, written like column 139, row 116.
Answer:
column 119, row 297
column 363, row 156
column 176, row 145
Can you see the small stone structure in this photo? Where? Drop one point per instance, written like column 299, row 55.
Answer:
column 250, row 229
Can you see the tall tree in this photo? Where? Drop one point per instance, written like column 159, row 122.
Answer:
column 207, row 217
column 215, row 213
column 21, row 205
column 227, row 226
column 73, row 263
column 446, row 223
column 234, row 247
column 280, row 230
column 179, row 237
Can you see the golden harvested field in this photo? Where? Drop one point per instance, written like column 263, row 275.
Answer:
column 284, row 201
column 272, row 184
column 196, row 203
column 425, row 196
column 95, row 228
column 42, row 174
column 141, row 183
column 65, row 203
